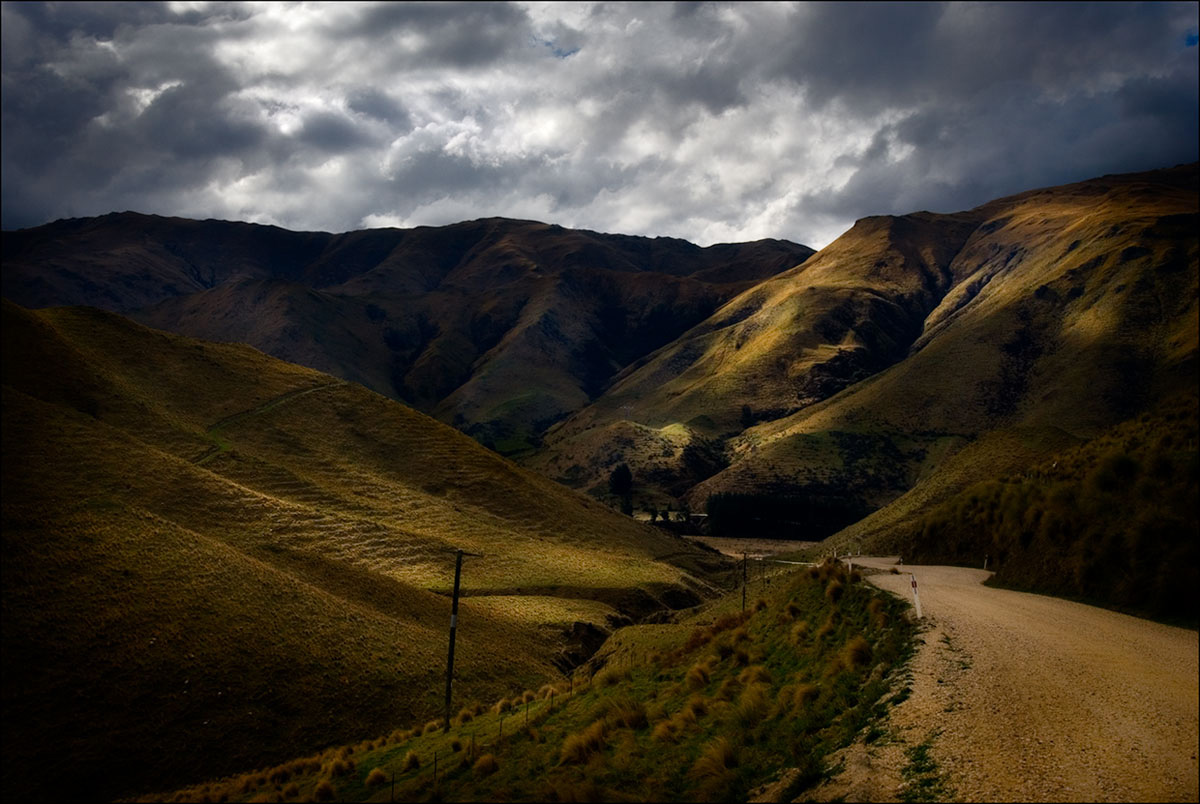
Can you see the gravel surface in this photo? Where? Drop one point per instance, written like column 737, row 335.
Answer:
column 1023, row 697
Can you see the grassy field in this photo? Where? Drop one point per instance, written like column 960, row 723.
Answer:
column 704, row 709
column 213, row 560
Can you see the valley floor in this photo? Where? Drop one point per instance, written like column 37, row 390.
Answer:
column 1021, row 697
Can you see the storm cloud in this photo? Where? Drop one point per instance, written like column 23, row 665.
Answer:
column 711, row 122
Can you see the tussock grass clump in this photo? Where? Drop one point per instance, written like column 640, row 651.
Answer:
column 754, row 675
column 752, row 705
column 741, row 657
column 666, row 731
column 465, row 715
column 611, row 676
column 625, row 712
column 857, row 652
column 834, row 591
column 411, row 761
column 456, row 745
column 431, row 727
column 799, row 632
column 697, row 705
column 578, row 747
column 791, row 610
column 759, row 605
column 501, row 706
column 826, row 628
column 339, row 767
column 894, row 571
column 486, row 765
column 323, row 791
column 291, row 791
column 376, row 778
column 728, row 689
column 717, row 757
column 548, row 690
column 528, row 695
column 698, row 676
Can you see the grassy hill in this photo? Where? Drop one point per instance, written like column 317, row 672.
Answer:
column 913, row 346
column 705, row 709
column 499, row 327
column 213, row 559
column 1112, row 521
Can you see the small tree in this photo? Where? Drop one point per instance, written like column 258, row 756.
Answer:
column 620, row 481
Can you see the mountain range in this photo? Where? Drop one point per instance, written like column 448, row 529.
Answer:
column 233, row 484
column 915, row 350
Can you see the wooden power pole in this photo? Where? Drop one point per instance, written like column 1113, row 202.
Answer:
column 458, row 557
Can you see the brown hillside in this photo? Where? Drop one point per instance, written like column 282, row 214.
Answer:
column 499, row 327
column 214, row 560
column 863, row 371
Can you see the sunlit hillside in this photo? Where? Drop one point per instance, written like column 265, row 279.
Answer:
column 912, row 342
column 213, row 559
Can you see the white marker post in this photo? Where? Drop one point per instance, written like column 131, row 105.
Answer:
column 916, row 597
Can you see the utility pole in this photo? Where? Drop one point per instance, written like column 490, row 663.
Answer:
column 743, row 581
column 458, row 557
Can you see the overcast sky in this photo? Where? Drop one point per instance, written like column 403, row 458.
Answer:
column 711, row 122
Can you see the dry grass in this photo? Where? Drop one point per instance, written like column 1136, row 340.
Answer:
column 318, row 518
column 411, row 761
column 577, row 748
column 376, row 778
column 697, row 676
column 486, row 765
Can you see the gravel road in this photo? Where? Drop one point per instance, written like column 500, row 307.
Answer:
column 1022, row 697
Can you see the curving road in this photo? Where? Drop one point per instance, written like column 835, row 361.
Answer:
column 1031, row 698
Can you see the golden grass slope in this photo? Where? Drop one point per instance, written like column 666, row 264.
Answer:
column 1056, row 312
column 212, row 558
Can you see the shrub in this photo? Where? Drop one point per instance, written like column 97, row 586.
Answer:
column 376, row 777
column 486, row 765
column 323, row 791
column 411, row 761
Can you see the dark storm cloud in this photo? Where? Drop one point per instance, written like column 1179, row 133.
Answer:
column 707, row 121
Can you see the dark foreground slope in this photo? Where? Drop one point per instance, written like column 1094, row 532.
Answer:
column 499, row 327
column 213, row 559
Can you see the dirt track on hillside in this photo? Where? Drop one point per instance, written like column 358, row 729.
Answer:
column 1029, row 698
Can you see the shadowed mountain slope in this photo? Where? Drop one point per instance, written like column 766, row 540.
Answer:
column 968, row 343
column 497, row 326
column 214, row 559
